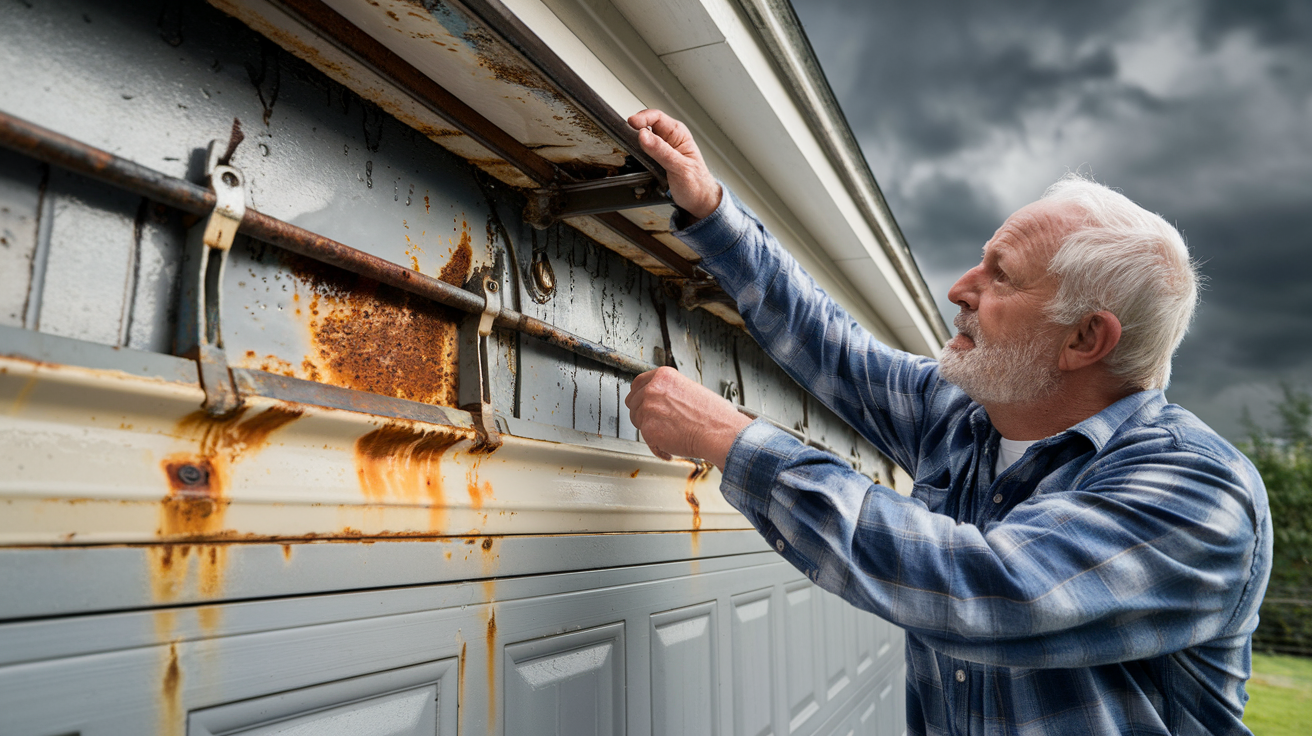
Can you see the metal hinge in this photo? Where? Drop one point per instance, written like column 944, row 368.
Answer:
column 549, row 205
column 200, row 307
column 475, row 387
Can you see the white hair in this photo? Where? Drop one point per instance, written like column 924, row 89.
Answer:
column 1132, row 263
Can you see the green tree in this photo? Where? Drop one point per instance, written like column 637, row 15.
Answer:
column 1284, row 459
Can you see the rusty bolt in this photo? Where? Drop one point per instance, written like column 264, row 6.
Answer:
column 638, row 192
column 230, row 178
column 492, row 286
column 192, row 475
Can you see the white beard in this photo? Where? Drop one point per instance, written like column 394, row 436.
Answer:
column 1022, row 371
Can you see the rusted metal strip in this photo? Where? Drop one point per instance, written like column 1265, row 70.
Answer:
column 331, row 25
column 648, row 243
column 496, row 16
column 50, row 147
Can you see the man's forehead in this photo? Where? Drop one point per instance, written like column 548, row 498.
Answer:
column 1035, row 230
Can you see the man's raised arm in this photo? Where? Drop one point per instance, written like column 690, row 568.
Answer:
column 888, row 395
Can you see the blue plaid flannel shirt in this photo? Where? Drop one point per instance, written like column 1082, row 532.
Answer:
column 1108, row 582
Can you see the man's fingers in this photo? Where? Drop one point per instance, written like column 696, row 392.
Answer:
column 659, row 149
column 644, row 119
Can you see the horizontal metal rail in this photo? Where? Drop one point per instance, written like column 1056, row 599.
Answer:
column 59, row 150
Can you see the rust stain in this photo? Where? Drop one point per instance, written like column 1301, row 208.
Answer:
column 487, row 544
column 372, row 337
column 491, row 666
column 170, row 712
column 426, row 204
column 195, row 505
column 700, row 470
column 479, row 491
column 397, row 462
column 210, row 617
column 287, row 553
column 456, row 271
column 634, row 474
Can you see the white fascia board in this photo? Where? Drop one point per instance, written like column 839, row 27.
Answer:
column 727, row 74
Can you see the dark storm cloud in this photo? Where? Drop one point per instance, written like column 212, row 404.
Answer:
column 1197, row 110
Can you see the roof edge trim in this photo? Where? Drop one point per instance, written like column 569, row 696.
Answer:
column 789, row 49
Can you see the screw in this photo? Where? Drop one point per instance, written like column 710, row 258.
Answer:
column 192, row 475
column 491, row 286
column 638, row 192
column 230, row 178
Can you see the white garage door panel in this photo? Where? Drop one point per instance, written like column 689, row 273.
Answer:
column 684, row 676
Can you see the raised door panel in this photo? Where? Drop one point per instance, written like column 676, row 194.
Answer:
column 410, row 701
column 754, row 658
column 684, row 676
column 800, row 653
column 567, row 685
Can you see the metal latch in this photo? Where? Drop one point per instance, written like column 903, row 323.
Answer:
column 200, row 308
column 475, row 389
column 550, row 204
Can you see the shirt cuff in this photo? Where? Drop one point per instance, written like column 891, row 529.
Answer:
column 757, row 456
column 717, row 232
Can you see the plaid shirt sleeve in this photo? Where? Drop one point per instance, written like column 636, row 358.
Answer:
column 1147, row 550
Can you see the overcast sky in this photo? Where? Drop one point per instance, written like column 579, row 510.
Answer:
column 1198, row 110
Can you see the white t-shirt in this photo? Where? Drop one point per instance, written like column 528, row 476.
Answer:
column 1009, row 451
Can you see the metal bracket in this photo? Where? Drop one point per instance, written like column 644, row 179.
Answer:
column 557, row 202
column 475, row 387
column 201, row 307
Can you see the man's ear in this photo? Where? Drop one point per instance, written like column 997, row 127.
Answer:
column 1089, row 341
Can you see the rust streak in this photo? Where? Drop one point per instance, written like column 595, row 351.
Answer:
column 491, row 668
column 700, row 470
column 170, row 712
column 396, row 462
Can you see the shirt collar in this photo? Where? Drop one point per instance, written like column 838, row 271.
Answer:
column 1098, row 428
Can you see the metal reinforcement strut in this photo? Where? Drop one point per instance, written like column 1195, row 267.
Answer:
column 59, row 150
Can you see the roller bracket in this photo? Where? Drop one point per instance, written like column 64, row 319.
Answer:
column 200, row 308
column 475, row 386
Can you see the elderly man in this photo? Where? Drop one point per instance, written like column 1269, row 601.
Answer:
column 1077, row 555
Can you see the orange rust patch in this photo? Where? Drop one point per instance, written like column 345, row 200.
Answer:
column 170, row 712
column 634, row 474
column 456, row 271
column 398, row 462
column 479, row 491
column 287, row 553
column 487, row 544
column 372, row 337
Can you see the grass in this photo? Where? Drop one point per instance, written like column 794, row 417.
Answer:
column 1280, row 695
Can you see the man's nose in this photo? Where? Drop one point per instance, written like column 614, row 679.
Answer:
column 965, row 293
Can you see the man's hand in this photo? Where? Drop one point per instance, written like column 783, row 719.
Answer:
column 678, row 416
column 668, row 141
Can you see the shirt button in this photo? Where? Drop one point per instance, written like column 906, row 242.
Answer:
column 997, row 498
column 961, row 675
column 779, row 544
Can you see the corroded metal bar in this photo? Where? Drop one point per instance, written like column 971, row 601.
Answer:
column 386, row 63
column 53, row 148
column 502, row 21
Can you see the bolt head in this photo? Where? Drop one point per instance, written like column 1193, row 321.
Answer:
column 192, row 475
column 230, row 179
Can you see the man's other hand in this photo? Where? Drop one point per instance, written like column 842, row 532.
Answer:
column 678, row 416
column 668, row 141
